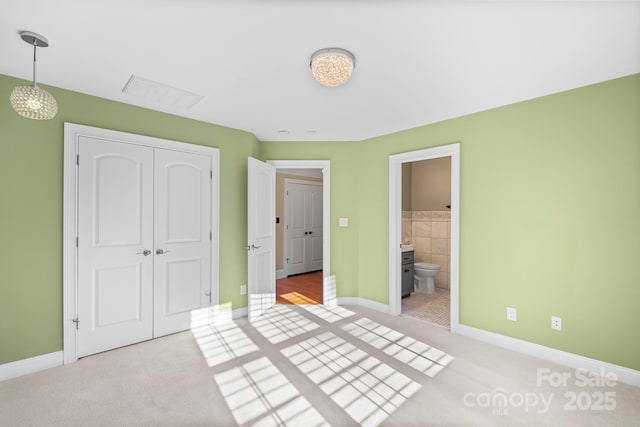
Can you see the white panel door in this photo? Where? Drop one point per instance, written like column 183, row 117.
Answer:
column 115, row 231
column 182, row 199
column 296, row 224
column 261, row 237
column 303, row 210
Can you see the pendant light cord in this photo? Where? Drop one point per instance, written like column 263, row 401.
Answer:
column 35, row 43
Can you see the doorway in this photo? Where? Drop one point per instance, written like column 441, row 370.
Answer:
column 302, row 249
column 396, row 237
column 426, row 221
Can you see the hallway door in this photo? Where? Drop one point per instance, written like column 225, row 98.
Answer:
column 303, row 226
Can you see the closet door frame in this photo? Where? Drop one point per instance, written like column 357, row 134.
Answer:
column 72, row 134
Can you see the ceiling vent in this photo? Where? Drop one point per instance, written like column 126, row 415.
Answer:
column 159, row 93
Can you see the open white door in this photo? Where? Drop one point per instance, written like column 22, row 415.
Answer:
column 261, row 244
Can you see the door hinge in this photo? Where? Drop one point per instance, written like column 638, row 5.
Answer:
column 287, row 226
column 287, row 192
column 211, row 174
column 211, row 235
column 78, row 159
column 76, row 321
column 77, row 241
column 287, row 260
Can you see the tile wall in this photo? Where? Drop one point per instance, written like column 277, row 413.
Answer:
column 429, row 233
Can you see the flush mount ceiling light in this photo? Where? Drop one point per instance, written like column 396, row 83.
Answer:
column 31, row 101
column 332, row 67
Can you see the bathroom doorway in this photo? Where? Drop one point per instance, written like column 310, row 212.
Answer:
column 302, row 232
column 426, row 228
column 423, row 235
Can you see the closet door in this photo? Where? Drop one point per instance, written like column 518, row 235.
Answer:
column 182, row 199
column 115, row 240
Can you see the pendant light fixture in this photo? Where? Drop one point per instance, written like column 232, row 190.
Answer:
column 31, row 101
column 332, row 67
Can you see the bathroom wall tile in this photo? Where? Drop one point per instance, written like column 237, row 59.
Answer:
column 442, row 280
column 421, row 257
column 440, row 215
column 439, row 229
column 441, row 260
column 407, row 215
column 421, row 215
column 439, row 246
column 423, row 229
column 407, row 231
column 423, row 244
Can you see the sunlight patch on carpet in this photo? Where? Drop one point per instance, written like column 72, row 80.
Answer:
column 420, row 356
column 258, row 394
column 222, row 343
column 366, row 388
column 280, row 323
column 329, row 314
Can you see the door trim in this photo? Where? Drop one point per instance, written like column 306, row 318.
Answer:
column 325, row 165
column 72, row 133
column 287, row 212
column 395, row 224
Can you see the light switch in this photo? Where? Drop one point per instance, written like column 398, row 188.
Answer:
column 343, row 222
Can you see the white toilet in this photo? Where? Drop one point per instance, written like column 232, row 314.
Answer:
column 424, row 273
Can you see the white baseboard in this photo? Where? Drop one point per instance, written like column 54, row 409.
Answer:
column 575, row 361
column 30, row 365
column 240, row 312
column 281, row 274
column 363, row 302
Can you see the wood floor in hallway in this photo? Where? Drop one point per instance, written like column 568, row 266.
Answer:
column 303, row 288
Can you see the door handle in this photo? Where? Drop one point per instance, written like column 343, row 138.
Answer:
column 306, row 232
column 254, row 247
column 144, row 252
column 161, row 251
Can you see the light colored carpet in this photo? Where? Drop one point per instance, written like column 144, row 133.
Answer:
column 433, row 308
column 312, row 366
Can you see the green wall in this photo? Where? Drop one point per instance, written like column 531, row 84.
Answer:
column 31, row 184
column 550, row 208
column 550, row 201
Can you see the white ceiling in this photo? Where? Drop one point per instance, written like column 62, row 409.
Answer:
column 417, row 61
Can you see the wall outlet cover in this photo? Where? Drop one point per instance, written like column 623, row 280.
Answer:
column 243, row 289
column 512, row 314
column 556, row 323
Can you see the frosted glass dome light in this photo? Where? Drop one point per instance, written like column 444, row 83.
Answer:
column 31, row 101
column 332, row 67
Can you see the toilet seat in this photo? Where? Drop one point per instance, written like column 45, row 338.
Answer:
column 426, row 266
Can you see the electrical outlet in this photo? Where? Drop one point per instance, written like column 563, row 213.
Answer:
column 512, row 314
column 243, row 289
column 556, row 323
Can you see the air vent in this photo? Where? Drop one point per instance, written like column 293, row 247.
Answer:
column 159, row 93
